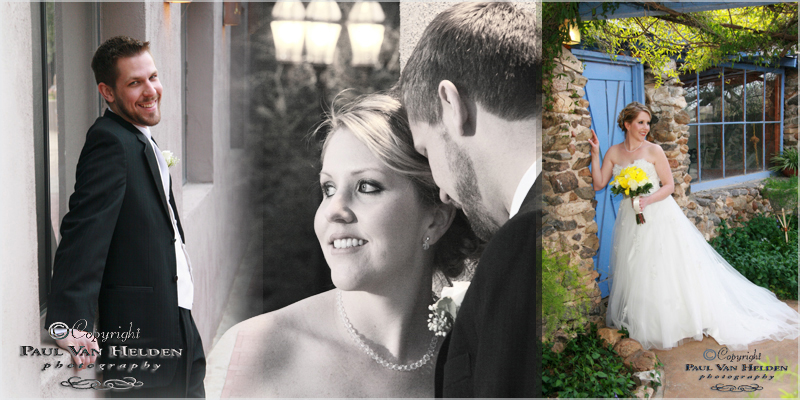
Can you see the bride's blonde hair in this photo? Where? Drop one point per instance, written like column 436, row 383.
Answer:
column 630, row 112
column 380, row 122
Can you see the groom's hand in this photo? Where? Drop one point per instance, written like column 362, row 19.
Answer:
column 81, row 347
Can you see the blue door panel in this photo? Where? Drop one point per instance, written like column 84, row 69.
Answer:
column 609, row 89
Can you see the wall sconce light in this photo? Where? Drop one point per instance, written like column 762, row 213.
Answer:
column 288, row 30
column 231, row 13
column 574, row 33
column 364, row 26
column 322, row 31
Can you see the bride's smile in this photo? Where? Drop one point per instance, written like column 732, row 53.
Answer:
column 370, row 224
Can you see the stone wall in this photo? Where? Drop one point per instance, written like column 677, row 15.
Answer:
column 569, row 207
column 790, row 109
column 734, row 204
column 668, row 128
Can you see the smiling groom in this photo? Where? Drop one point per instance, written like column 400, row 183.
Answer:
column 122, row 252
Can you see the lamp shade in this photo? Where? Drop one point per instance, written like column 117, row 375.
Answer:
column 231, row 13
column 364, row 26
column 322, row 31
column 574, row 33
column 288, row 30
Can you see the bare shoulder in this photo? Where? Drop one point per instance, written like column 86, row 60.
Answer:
column 655, row 153
column 283, row 328
column 612, row 154
column 270, row 349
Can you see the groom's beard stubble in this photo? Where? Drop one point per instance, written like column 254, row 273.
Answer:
column 468, row 191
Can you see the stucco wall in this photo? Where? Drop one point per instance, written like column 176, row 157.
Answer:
column 18, row 242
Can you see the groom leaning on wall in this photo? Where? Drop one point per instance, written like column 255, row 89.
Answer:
column 122, row 250
column 472, row 91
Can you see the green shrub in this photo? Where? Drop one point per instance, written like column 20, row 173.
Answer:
column 759, row 251
column 585, row 368
column 561, row 284
column 782, row 194
column 785, row 160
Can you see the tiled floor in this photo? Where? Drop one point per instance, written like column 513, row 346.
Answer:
column 680, row 383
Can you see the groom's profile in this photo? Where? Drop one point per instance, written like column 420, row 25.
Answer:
column 122, row 255
column 471, row 88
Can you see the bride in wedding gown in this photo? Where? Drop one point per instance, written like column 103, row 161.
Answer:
column 669, row 285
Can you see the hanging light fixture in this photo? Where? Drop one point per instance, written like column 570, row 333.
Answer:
column 322, row 31
column 288, row 30
column 364, row 26
column 231, row 13
column 574, row 33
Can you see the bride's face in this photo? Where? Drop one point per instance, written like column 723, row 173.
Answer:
column 371, row 223
column 640, row 126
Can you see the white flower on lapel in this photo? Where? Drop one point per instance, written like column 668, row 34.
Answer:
column 170, row 158
column 446, row 308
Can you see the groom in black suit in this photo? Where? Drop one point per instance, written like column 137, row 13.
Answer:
column 122, row 252
column 472, row 90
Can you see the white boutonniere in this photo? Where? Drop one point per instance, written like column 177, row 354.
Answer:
column 170, row 158
column 446, row 308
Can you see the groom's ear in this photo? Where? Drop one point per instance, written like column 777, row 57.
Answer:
column 106, row 92
column 455, row 110
column 442, row 219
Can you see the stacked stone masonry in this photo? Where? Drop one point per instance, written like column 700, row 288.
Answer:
column 569, row 208
column 790, row 109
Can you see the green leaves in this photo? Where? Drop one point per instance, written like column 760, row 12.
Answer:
column 759, row 251
column 701, row 40
column 585, row 369
column 561, row 286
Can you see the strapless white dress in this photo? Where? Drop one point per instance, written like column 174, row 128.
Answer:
column 669, row 285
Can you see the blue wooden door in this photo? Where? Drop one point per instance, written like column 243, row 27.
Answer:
column 612, row 85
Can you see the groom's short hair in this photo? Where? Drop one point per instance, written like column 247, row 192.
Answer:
column 104, row 62
column 489, row 51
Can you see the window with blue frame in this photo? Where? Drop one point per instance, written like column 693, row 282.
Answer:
column 736, row 123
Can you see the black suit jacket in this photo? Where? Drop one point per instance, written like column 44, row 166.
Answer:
column 117, row 252
column 494, row 348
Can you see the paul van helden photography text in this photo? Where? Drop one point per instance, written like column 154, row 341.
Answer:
column 59, row 330
column 747, row 370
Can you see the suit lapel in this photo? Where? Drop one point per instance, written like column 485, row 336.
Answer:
column 149, row 155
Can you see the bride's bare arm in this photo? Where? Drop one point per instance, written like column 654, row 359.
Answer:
column 600, row 174
column 664, row 174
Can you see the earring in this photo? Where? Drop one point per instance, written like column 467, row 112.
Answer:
column 425, row 244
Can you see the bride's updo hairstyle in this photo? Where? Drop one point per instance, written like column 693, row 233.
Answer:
column 381, row 123
column 630, row 112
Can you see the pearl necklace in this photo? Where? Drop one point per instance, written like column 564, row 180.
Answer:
column 378, row 359
column 631, row 151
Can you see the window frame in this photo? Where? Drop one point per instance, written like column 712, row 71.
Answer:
column 745, row 177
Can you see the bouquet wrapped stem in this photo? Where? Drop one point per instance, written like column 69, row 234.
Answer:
column 639, row 216
column 632, row 182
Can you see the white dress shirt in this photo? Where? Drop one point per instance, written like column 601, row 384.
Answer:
column 525, row 185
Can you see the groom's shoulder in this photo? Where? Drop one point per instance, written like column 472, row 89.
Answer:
column 105, row 129
column 106, row 124
column 512, row 247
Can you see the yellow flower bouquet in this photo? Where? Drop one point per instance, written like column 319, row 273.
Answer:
column 632, row 182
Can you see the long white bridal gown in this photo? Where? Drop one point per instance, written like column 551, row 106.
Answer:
column 669, row 285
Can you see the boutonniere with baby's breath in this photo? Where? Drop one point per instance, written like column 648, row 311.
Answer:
column 444, row 311
column 170, row 158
